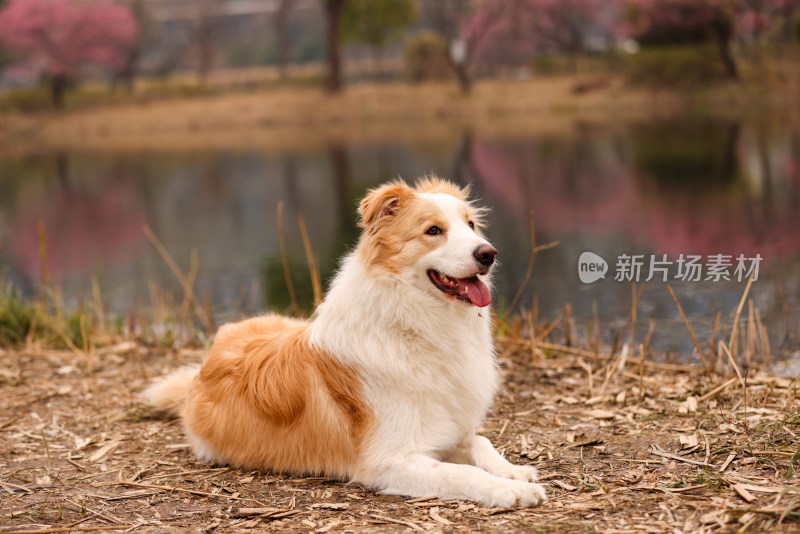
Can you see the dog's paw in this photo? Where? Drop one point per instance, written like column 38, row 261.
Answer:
column 525, row 473
column 510, row 493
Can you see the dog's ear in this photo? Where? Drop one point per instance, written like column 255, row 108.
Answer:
column 383, row 202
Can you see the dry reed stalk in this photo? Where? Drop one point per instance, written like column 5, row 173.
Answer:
column 596, row 329
column 516, row 327
column 622, row 332
column 43, row 255
column 589, row 376
column 713, row 341
column 717, row 390
column 634, row 309
column 723, row 347
column 175, row 489
column 568, row 324
column 31, row 332
column 88, row 343
column 766, row 354
column 165, row 255
column 287, row 275
column 549, row 328
column 58, row 301
column 650, row 329
column 532, row 334
column 97, row 303
column 313, row 268
column 641, row 370
column 619, row 364
column 156, row 305
column 188, row 293
column 732, row 344
column 751, row 333
column 208, row 311
column 529, row 270
column 690, row 329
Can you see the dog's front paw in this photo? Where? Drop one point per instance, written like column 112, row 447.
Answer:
column 510, row 493
column 525, row 473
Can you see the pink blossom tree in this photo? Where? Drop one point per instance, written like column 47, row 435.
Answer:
column 759, row 20
column 60, row 37
column 466, row 24
column 512, row 30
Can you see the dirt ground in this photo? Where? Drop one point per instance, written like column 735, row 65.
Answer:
column 621, row 447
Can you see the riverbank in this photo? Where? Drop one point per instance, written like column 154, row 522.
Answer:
column 284, row 117
column 622, row 446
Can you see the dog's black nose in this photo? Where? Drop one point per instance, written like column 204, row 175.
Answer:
column 485, row 254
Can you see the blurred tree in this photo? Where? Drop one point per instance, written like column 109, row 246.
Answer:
column 759, row 21
column 205, row 28
column 425, row 58
column 148, row 30
column 282, row 32
column 560, row 25
column 374, row 23
column 62, row 36
column 467, row 24
column 333, row 17
column 511, row 31
column 686, row 22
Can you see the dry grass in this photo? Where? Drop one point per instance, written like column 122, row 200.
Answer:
column 667, row 450
column 283, row 118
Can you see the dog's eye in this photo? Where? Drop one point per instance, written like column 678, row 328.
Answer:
column 433, row 230
column 471, row 224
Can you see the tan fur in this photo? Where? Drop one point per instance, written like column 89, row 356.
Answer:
column 262, row 378
column 171, row 392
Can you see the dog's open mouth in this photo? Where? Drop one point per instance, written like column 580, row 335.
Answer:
column 470, row 289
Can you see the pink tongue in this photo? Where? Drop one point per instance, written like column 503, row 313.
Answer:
column 478, row 292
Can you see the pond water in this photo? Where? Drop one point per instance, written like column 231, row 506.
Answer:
column 679, row 187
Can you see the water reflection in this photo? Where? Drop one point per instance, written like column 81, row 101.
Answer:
column 692, row 187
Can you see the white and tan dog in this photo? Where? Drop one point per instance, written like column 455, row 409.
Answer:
column 389, row 381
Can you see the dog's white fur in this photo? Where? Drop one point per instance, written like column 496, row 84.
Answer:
column 414, row 368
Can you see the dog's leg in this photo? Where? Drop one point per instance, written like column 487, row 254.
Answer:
column 422, row 476
column 478, row 451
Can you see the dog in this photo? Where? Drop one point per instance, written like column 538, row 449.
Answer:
column 389, row 381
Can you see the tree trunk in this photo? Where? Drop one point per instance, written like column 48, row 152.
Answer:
column 205, row 60
column 127, row 75
column 58, row 86
column 333, row 14
column 282, row 31
column 727, row 59
column 464, row 81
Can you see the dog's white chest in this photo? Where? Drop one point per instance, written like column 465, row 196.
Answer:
column 434, row 392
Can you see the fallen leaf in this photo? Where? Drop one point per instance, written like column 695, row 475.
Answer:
column 687, row 442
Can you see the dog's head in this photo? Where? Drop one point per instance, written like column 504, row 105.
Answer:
column 430, row 236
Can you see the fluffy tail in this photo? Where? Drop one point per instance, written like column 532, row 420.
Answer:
column 171, row 392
